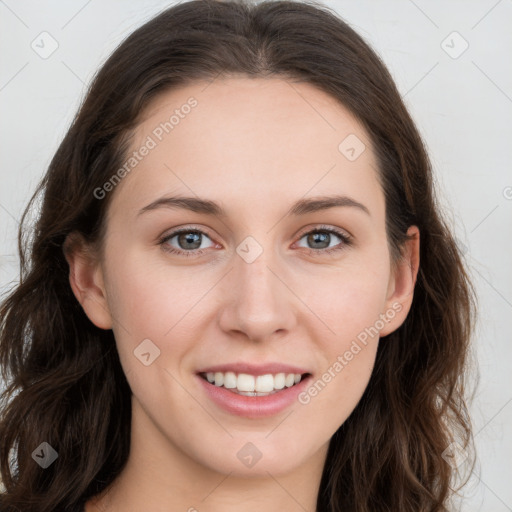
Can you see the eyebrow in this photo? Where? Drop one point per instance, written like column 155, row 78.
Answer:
column 208, row 207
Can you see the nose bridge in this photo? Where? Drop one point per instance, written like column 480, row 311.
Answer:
column 259, row 303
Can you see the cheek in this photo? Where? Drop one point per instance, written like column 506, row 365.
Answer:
column 349, row 300
column 348, row 351
column 350, row 305
column 149, row 299
column 141, row 307
column 151, row 296
column 152, row 301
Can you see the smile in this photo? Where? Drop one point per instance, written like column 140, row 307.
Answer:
column 251, row 385
column 243, row 398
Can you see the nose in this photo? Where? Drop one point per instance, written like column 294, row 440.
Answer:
column 258, row 301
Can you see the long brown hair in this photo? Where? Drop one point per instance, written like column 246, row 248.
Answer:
column 65, row 384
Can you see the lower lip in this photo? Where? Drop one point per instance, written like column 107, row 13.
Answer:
column 254, row 406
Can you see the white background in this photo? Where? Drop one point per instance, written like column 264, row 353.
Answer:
column 462, row 107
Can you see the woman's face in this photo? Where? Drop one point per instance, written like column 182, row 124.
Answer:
column 283, row 278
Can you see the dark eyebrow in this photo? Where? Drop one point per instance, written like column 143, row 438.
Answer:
column 208, row 207
column 315, row 204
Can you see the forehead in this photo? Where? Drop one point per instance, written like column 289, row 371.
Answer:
column 244, row 139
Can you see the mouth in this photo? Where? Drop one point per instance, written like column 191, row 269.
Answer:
column 245, row 384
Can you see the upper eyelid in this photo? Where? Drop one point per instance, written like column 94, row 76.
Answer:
column 186, row 229
column 323, row 227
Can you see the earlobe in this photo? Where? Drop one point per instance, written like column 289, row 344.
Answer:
column 86, row 280
column 402, row 283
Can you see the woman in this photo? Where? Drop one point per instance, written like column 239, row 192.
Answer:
column 241, row 292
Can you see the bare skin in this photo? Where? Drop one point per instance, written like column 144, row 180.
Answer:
column 255, row 146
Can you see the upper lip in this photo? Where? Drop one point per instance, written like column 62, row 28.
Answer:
column 254, row 369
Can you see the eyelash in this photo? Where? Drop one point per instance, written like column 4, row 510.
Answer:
column 346, row 241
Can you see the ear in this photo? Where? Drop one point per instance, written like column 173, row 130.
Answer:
column 86, row 280
column 401, row 283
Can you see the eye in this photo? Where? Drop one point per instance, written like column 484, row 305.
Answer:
column 320, row 239
column 189, row 242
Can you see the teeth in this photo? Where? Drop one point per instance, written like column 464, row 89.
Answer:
column 219, row 378
column 250, row 385
column 279, row 381
column 230, row 380
column 264, row 383
column 245, row 382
